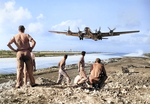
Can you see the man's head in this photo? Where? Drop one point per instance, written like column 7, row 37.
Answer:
column 21, row 28
column 83, row 53
column 98, row 60
column 65, row 56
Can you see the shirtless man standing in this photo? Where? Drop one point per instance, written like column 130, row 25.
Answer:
column 23, row 50
column 97, row 73
column 82, row 73
column 62, row 72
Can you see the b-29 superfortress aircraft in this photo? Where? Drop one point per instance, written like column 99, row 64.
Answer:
column 87, row 34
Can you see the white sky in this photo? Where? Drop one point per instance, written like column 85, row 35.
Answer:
column 41, row 16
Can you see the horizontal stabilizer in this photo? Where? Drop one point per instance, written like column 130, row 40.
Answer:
column 104, row 38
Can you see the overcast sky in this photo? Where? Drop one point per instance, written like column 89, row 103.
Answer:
column 41, row 16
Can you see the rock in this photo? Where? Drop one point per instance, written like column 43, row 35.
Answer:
column 144, row 86
column 87, row 91
column 27, row 102
column 124, row 91
column 125, row 70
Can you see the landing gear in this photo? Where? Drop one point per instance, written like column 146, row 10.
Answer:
column 99, row 37
column 81, row 38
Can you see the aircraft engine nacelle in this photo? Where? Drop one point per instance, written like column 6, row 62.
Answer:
column 69, row 32
column 111, row 33
column 99, row 36
column 80, row 35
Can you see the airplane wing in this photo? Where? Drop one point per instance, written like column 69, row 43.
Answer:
column 117, row 33
column 66, row 33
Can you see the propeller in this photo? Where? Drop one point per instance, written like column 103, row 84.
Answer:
column 99, row 35
column 111, row 31
column 80, row 32
column 114, row 29
column 68, row 31
column 68, row 28
column 109, row 28
column 99, row 31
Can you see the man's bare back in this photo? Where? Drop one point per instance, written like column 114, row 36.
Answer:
column 21, row 40
column 81, row 62
column 97, row 68
column 62, row 64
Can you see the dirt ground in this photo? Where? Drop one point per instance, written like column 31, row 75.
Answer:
column 132, row 87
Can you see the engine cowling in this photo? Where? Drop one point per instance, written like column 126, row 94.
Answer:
column 111, row 31
column 99, row 36
column 69, row 32
column 80, row 34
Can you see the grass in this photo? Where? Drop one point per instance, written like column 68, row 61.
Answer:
column 7, row 75
column 147, row 54
column 7, row 54
column 11, row 54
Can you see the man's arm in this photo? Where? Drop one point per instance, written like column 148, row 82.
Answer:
column 60, row 64
column 91, row 69
column 33, row 45
column 104, row 71
column 9, row 45
column 79, row 65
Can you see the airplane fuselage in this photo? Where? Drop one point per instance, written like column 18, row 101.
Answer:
column 88, row 32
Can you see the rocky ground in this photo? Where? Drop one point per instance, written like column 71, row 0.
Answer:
column 131, row 86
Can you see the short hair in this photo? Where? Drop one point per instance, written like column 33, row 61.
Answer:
column 98, row 60
column 65, row 56
column 83, row 52
column 21, row 28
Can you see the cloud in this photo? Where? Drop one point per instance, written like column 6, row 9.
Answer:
column 36, row 28
column 12, row 15
column 39, row 17
column 73, row 24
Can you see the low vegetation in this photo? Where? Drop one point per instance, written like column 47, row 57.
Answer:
column 7, row 54
column 11, row 54
column 147, row 54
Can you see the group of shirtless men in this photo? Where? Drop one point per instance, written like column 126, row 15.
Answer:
column 24, row 59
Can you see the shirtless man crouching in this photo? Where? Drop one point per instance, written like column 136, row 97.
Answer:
column 97, row 73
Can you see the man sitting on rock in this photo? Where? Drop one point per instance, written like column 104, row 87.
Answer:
column 97, row 74
column 82, row 77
